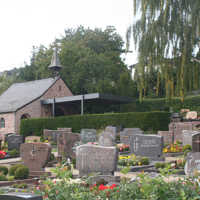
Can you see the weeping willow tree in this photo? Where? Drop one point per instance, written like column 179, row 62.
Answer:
column 166, row 34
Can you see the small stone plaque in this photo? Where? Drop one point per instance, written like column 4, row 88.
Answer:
column 88, row 135
column 106, row 139
column 147, row 145
column 97, row 159
column 20, row 196
column 192, row 164
column 35, row 155
column 14, row 141
column 126, row 134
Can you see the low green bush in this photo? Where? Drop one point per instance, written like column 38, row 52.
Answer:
column 20, row 186
column 3, row 177
column 14, row 153
column 160, row 165
column 147, row 121
column 22, row 172
column 14, row 168
column 4, row 170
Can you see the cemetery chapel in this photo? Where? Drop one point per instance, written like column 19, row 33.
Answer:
column 25, row 100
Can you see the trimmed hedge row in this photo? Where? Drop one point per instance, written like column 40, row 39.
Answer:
column 147, row 121
column 160, row 104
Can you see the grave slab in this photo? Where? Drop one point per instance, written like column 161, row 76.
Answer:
column 96, row 159
column 127, row 133
column 20, row 196
column 150, row 146
column 88, row 135
column 106, row 139
column 14, row 141
column 35, row 155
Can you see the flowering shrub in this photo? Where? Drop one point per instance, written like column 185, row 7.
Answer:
column 132, row 160
column 2, row 154
column 123, row 147
column 173, row 148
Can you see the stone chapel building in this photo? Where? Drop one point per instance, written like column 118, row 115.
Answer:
column 24, row 100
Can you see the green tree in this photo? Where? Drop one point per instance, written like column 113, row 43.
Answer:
column 166, row 33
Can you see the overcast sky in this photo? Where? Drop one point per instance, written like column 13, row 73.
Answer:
column 28, row 23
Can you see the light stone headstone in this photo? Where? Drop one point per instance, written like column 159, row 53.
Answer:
column 112, row 130
column 127, row 133
column 106, row 139
column 192, row 165
column 96, row 159
column 88, row 135
column 187, row 136
column 196, row 142
column 150, row 146
column 14, row 141
column 35, row 155
column 20, row 196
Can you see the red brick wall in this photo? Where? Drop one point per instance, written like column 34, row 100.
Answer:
column 9, row 123
column 36, row 110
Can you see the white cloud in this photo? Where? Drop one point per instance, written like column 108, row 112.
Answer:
column 27, row 23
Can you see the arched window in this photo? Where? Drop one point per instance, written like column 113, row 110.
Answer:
column 25, row 116
column 2, row 123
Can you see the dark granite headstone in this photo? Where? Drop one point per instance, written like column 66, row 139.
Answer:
column 147, row 145
column 14, row 141
column 96, row 159
column 192, row 164
column 88, row 135
column 127, row 132
column 35, row 155
column 106, row 139
column 20, row 196
column 196, row 142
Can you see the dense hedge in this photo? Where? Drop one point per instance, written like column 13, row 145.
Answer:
column 147, row 121
column 160, row 104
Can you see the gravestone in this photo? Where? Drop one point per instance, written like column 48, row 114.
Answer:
column 196, row 142
column 112, row 130
column 127, row 133
column 66, row 142
column 88, row 135
column 167, row 136
column 150, row 146
column 51, row 135
column 35, row 155
column 32, row 139
column 192, row 164
column 187, row 136
column 106, row 139
column 14, row 141
column 65, row 129
column 20, row 196
column 96, row 159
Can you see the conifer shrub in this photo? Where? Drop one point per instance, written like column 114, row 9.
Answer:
column 14, row 168
column 22, row 172
column 4, row 170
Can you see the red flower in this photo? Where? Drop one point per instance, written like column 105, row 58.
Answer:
column 2, row 154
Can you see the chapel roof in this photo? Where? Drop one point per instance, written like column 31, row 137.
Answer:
column 20, row 94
